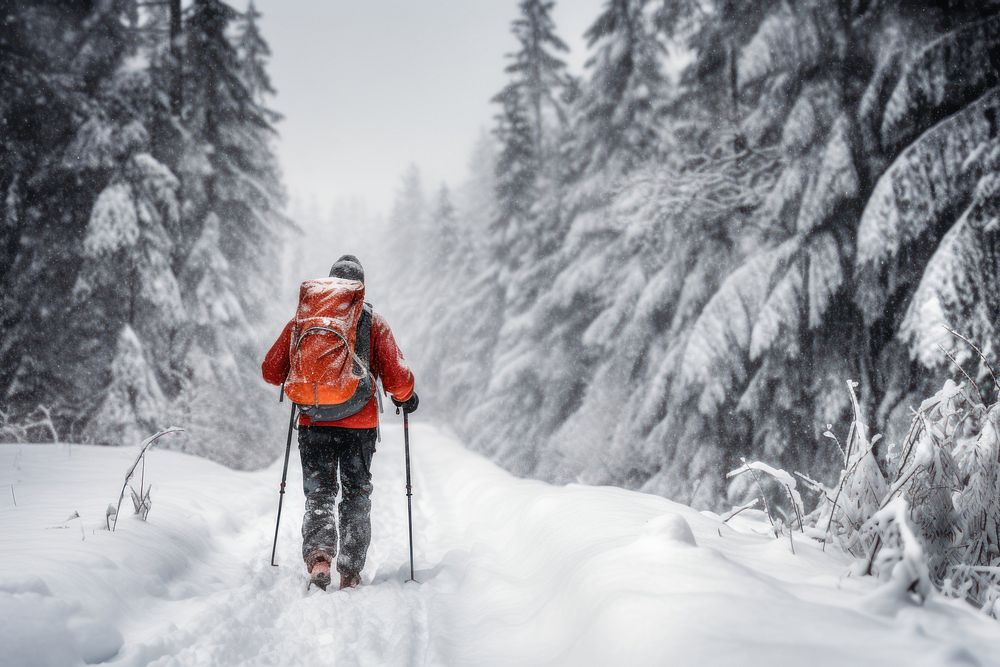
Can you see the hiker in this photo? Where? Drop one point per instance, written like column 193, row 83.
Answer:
column 333, row 385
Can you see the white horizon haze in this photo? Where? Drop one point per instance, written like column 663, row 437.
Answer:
column 368, row 88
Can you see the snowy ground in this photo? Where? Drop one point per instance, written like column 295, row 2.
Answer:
column 512, row 571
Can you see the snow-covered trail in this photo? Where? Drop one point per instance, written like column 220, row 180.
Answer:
column 259, row 614
column 512, row 572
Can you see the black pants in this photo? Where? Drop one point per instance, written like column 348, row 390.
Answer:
column 323, row 449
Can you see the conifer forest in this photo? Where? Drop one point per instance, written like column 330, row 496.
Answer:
column 742, row 225
column 141, row 208
column 704, row 333
column 682, row 255
column 735, row 208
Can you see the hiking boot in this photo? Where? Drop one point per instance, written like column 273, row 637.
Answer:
column 319, row 575
column 350, row 580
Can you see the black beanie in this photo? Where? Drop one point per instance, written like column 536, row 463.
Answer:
column 348, row 267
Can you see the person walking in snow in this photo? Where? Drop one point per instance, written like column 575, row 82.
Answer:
column 328, row 359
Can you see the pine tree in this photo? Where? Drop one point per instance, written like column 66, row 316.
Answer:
column 106, row 203
column 61, row 94
column 253, row 53
column 132, row 406
column 535, row 69
column 794, row 92
column 410, row 218
column 622, row 101
column 242, row 185
column 213, row 307
column 413, row 239
column 446, row 230
column 516, row 172
column 126, row 278
column 529, row 126
column 234, row 203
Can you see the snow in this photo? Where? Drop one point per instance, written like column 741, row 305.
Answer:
column 932, row 83
column 780, row 476
column 918, row 192
column 113, row 222
column 512, row 571
column 785, row 40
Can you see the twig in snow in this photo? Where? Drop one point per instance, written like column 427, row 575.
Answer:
column 850, row 437
column 146, row 444
column 828, row 433
column 76, row 515
column 795, row 506
column 982, row 356
column 813, row 484
column 739, row 510
column 12, row 495
column 897, row 487
column 760, row 487
column 911, row 437
column 694, row 492
column 786, row 481
column 979, row 392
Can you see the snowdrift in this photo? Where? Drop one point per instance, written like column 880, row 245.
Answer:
column 512, row 571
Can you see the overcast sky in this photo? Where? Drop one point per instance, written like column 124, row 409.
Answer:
column 369, row 86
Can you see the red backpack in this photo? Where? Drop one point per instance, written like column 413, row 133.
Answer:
column 329, row 374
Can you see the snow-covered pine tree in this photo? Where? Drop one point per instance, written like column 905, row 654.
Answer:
column 37, row 94
column 620, row 107
column 235, row 225
column 160, row 59
column 473, row 297
column 95, row 227
column 516, row 172
column 413, row 240
column 254, row 52
column 132, row 405
column 240, row 183
column 126, row 281
column 504, row 264
column 213, row 307
column 796, row 93
column 531, row 131
column 218, row 422
column 446, row 231
column 76, row 107
column 536, row 68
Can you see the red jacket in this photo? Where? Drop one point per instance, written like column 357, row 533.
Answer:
column 387, row 364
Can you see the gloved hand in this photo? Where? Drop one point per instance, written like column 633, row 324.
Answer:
column 409, row 405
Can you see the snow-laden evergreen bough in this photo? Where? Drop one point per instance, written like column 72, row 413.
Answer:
column 923, row 512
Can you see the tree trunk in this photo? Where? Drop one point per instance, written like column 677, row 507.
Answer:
column 177, row 75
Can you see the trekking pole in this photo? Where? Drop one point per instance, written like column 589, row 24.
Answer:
column 409, row 488
column 284, row 478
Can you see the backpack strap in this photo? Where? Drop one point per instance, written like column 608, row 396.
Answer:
column 369, row 312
